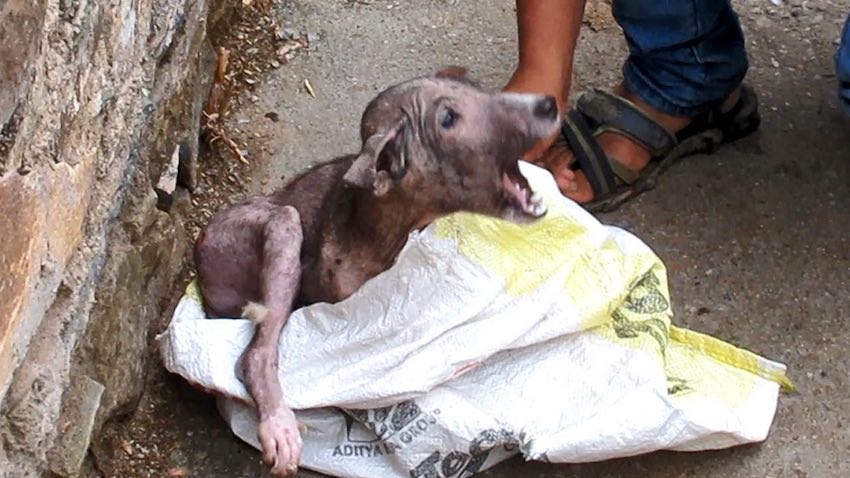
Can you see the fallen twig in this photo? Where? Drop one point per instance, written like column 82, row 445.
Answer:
column 216, row 110
column 216, row 132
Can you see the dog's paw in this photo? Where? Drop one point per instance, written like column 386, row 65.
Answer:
column 281, row 443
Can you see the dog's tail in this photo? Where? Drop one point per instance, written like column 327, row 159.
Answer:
column 255, row 312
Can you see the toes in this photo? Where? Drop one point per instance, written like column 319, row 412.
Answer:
column 288, row 454
column 270, row 451
column 292, row 451
column 539, row 150
column 285, row 461
column 564, row 174
column 283, row 465
column 280, row 442
column 581, row 191
column 296, row 449
column 565, row 185
column 558, row 160
column 286, row 465
column 284, row 470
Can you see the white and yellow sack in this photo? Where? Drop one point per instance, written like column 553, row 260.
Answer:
column 487, row 339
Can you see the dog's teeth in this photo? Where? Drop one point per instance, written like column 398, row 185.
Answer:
column 536, row 199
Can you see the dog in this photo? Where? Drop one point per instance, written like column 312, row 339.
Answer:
column 431, row 146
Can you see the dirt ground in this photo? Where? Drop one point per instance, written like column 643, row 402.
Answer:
column 755, row 236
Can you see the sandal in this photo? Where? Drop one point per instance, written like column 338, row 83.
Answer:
column 613, row 183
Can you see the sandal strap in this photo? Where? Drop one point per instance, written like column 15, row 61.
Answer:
column 597, row 112
column 726, row 120
column 589, row 155
column 608, row 112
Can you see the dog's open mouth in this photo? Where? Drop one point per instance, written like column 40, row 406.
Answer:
column 519, row 194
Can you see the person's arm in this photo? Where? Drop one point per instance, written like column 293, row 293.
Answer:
column 548, row 31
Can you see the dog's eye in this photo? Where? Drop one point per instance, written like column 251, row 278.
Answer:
column 449, row 119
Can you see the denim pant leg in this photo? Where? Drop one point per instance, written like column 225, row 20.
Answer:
column 842, row 65
column 685, row 56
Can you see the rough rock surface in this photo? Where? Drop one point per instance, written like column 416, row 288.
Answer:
column 95, row 99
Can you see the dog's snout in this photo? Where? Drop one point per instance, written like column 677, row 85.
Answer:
column 546, row 108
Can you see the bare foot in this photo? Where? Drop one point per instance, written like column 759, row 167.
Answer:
column 558, row 159
column 280, row 440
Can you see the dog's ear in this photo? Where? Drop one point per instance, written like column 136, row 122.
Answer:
column 451, row 71
column 456, row 73
column 381, row 162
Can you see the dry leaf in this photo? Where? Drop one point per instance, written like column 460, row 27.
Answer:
column 127, row 448
column 221, row 63
column 309, row 88
column 178, row 472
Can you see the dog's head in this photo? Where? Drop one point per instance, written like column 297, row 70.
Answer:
column 446, row 145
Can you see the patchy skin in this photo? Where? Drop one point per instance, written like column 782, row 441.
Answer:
column 431, row 146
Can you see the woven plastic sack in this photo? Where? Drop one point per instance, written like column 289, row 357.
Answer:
column 487, row 339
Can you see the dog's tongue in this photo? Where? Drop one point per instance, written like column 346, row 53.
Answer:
column 522, row 197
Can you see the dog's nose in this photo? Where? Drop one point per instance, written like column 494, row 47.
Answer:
column 546, row 108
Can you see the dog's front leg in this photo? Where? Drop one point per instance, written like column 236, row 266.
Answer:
column 280, row 276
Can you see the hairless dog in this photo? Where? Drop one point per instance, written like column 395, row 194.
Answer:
column 430, row 146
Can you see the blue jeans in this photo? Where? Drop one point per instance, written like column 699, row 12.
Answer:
column 842, row 65
column 685, row 56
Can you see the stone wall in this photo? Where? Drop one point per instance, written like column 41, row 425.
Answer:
column 99, row 110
